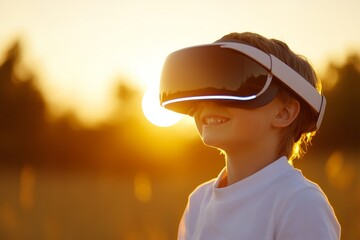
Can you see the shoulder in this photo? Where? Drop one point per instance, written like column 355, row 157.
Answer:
column 199, row 197
column 308, row 201
column 202, row 190
column 294, row 185
column 304, row 196
column 307, row 213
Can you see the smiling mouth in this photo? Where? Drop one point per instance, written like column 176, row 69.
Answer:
column 214, row 120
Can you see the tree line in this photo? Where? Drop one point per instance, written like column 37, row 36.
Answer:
column 123, row 143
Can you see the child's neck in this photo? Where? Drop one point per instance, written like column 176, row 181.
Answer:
column 241, row 165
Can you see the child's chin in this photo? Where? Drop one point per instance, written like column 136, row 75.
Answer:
column 212, row 141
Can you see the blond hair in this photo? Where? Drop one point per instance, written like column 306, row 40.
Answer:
column 296, row 137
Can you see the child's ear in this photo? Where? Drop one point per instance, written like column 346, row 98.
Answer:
column 286, row 114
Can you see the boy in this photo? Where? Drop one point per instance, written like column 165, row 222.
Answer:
column 258, row 102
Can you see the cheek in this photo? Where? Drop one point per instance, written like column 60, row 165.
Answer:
column 249, row 128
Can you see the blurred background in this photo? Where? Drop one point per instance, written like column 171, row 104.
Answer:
column 85, row 150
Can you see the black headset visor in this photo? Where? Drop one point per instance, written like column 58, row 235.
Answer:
column 212, row 73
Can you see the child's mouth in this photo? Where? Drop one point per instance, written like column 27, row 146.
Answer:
column 214, row 120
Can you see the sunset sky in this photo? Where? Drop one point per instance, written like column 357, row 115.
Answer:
column 80, row 49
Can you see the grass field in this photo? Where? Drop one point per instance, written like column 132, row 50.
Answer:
column 40, row 204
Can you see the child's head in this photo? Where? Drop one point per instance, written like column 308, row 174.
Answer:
column 298, row 133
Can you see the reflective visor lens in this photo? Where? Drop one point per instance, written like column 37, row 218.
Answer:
column 210, row 73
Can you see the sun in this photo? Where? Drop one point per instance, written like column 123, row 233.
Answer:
column 156, row 114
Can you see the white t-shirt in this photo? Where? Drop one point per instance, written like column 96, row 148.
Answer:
column 276, row 203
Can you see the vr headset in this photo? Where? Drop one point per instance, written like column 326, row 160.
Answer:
column 233, row 74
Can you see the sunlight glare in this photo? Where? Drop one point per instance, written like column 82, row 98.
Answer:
column 156, row 114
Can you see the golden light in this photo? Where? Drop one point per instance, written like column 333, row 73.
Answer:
column 156, row 114
column 27, row 184
column 339, row 172
column 142, row 187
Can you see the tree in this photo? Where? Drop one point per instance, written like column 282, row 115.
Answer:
column 341, row 125
column 22, row 109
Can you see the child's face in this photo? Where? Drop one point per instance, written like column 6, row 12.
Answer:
column 235, row 129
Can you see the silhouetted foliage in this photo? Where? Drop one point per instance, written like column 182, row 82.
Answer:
column 127, row 141
column 341, row 126
column 22, row 110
